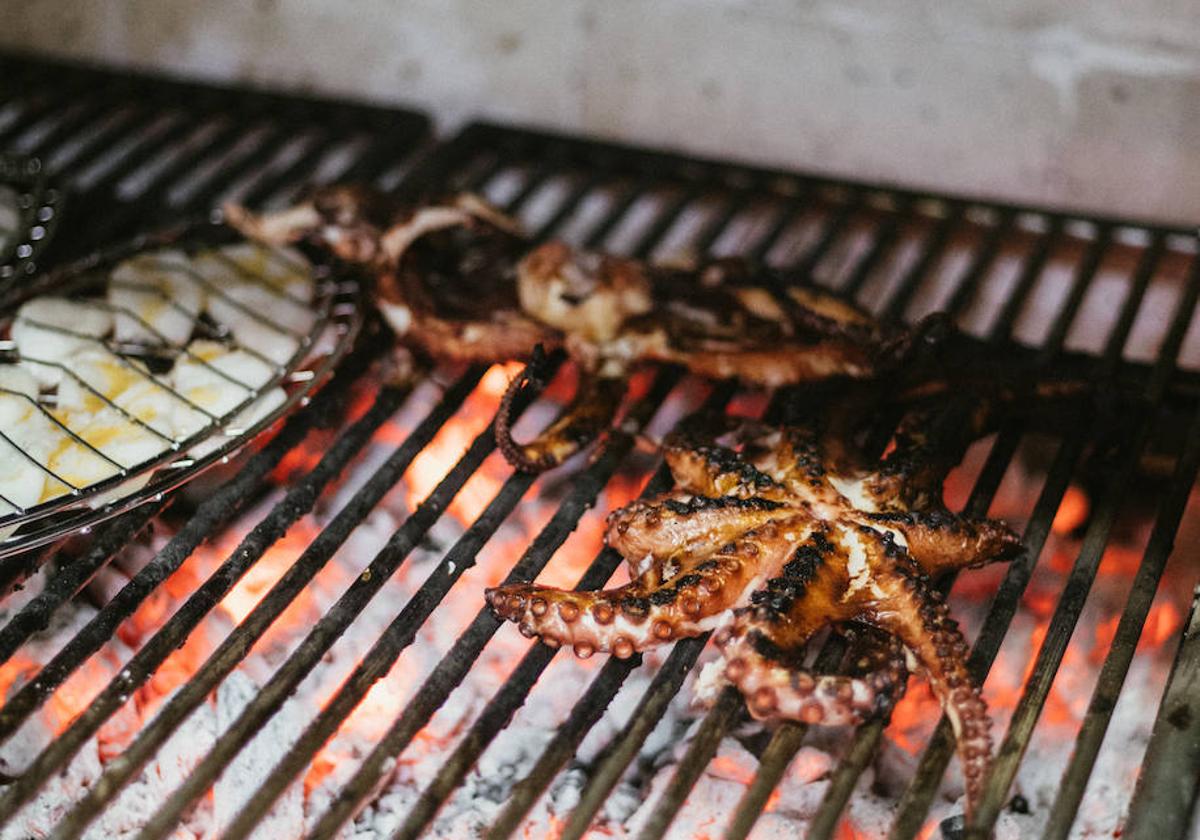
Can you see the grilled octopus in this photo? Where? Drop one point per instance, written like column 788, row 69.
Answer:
column 795, row 531
column 459, row 281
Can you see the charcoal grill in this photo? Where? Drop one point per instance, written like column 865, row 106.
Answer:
column 997, row 268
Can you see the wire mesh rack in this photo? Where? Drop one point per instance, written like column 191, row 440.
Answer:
column 283, row 346
column 141, row 156
column 1111, row 298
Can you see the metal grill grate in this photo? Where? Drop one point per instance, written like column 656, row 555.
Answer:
column 1100, row 295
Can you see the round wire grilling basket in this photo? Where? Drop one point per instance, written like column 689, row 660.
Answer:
column 151, row 362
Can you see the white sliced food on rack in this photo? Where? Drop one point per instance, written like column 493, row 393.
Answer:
column 262, row 295
column 153, row 405
column 95, row 377
column 18, row 391
column 118, row 438
column 21, row 479
column 216, row 379
column 160, row 296
column 51, row 329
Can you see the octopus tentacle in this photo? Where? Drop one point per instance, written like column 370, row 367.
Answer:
column 682, row 597
column 700, row 465
column 587, row 416
column 916, row 613
column 941, row 541
column 681, row 523
column 778, row 686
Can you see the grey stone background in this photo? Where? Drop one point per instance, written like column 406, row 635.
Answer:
column 1092, row 105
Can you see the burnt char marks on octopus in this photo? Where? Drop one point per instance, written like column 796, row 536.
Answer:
column 792, row 658
column 696, row 504
column 775, row 600
column 669, row 594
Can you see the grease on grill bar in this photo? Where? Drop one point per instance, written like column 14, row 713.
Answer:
column 338, row 670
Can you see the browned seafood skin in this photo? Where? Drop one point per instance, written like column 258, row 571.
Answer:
column 769, row 543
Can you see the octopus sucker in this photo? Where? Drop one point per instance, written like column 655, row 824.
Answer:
column 783, row 531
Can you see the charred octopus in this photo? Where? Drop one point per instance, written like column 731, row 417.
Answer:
column 459, row 281
column 783, row 531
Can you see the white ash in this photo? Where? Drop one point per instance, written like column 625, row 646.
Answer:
column 235, row 786
column 517, row 747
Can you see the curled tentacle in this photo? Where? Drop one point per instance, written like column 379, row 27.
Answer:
column 917, row 614
column 586, row 418
column 777, row 685
column 681, row 597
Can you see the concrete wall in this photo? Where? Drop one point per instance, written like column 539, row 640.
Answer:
column 1035, row 100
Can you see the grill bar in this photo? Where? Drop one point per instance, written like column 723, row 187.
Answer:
column 882, row 243
column 1165, row 792
column 71, row 577
column 663, row 688
column 932, row 251
column 154, row 652
column 1145, row 807
column 916, row 800
column 299, row 500
column 457, row 662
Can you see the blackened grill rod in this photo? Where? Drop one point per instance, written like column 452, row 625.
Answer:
column 1034, row 261
column 1165, row 795
column 277, row 783
column 299, row 499
column 213, row 512
column 725, row 713
column 1147, row 805
column 932, row 250
column 37, row 106
column 646, row 716
column 72, row 576
column 882, row 243
column 915, row 802
column 791, row 735
column 834, row 224
column 981, row 262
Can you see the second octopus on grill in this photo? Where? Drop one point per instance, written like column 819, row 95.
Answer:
column 459, row 281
